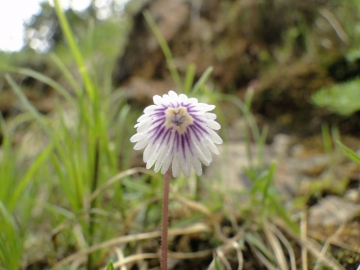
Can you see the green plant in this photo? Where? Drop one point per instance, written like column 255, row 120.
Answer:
column 11, row 240
column 79, row 149
column 339, row 98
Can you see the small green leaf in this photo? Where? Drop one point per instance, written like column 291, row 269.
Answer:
column 268, row 179
column 110, row 266
column 274, row 201
column 253, row 239
column 189, row 78
column 217, row 264
column 165, row 48
column 351, row 154
column 202, row 80
column 340, row 98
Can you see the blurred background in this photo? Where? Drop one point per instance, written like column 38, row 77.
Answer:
column 285, row 51
column 298, row 60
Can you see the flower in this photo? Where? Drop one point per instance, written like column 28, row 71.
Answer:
column 177, row 131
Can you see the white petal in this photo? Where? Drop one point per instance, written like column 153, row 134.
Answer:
column 200, row 154
column 158, row 100
column 173, row 95
column 137, row 137
column 143, row 123
column 185, row 162
column 193, row 100
column 205, row 107
column 210, row 116
column 143, row 117
column 156, row 155
column 214, row 125
column 167, row 97
column 150, row 108
column 211, row 145
column 149, row 150
column 176, row 165
column 183, row 97
column 168, row 157
column 160, row 159
column 141, row 144
column 197, row 166
column 167, row 162
column 214, row 136
column 144, row 128
column 152, row 159
column 205, row 150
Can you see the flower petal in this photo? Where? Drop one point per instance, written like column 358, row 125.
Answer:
column 215, row 137
column 214, row 125
column 173, row 95
column 141, row 144
column 197, row 165
column 150, row 109
column 177, row 131
column 158, row 100
column 210, row 116
column 176, row 165
column 137, row 137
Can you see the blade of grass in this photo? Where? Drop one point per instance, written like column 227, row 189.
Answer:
column 110, row 266
column 268, row 180
column 8, row 171
column 42, row 78
column 75, row 51
column 217, row 264
column 67, row 74
column 204, row 77
column 11, row 244
column 283, row 213
column 165, row 48
column 27, row 104
column 325, row 131
column 189, row 78
column 249, row 237
column 27, row 177
column 349, row 152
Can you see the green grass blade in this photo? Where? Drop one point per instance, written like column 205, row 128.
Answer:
column 75, row 51
column 110, row 266
column 326, row 137
column 10, row 241
column 7, row 165
column 67, row 74
column 282, row 212
column 249, row 237
column 42, row 78
column 268, row 180
column 165, row 48
column 351, row 154
column 27, row 104
column 189, row 78
column 204, row 77
column 27, row 177
column 217, row 264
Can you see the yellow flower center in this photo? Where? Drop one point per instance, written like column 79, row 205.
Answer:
column 178, row 118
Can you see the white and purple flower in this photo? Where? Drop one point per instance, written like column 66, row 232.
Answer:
column 177, row 131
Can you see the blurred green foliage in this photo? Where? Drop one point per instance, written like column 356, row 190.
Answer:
column 342, row 98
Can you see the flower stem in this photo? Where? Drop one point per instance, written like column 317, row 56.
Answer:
column 165, row 222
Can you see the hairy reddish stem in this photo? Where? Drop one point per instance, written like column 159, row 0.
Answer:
column 165, row 221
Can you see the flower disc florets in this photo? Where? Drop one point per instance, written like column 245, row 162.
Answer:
column 177, row 131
